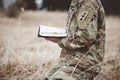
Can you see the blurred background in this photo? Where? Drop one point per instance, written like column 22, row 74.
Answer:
column 24, row 56
column 12, row 6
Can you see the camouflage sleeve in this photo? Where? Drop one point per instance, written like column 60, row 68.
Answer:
column 86, row 32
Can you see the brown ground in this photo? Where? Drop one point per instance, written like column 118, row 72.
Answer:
column 24, row 56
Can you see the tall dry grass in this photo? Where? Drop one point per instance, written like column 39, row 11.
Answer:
column 24, row 56
column 112, row 55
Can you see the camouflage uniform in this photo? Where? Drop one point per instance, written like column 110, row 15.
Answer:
column 84, row 47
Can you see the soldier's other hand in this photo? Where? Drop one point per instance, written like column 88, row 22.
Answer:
column 52, row 39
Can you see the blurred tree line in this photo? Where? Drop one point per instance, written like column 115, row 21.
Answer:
column 12, row 8
column 111, row 6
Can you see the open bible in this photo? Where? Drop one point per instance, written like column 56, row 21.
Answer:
column 47, row 31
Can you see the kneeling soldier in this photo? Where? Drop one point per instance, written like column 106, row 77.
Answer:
column 83, row 48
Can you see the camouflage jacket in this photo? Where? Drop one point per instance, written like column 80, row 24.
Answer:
column 85, row 28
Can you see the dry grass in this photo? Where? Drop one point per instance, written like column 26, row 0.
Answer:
column 112, row 68
column 24, row 56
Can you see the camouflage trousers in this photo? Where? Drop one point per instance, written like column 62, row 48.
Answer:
column 69, row 69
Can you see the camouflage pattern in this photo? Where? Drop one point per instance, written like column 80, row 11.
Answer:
column 83, row 49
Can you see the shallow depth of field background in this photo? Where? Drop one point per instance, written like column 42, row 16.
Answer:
column 24, row 56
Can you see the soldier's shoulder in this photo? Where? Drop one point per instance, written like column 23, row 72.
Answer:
column 92, row 3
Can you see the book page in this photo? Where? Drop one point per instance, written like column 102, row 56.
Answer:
column 46, row 31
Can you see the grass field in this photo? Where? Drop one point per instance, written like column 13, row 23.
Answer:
column 24, row 56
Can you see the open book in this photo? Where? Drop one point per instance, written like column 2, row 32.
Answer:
column 46, row 31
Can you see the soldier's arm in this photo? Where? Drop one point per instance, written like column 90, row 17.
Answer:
column 86, row 32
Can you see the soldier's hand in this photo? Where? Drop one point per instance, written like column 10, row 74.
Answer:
column 53, row 39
